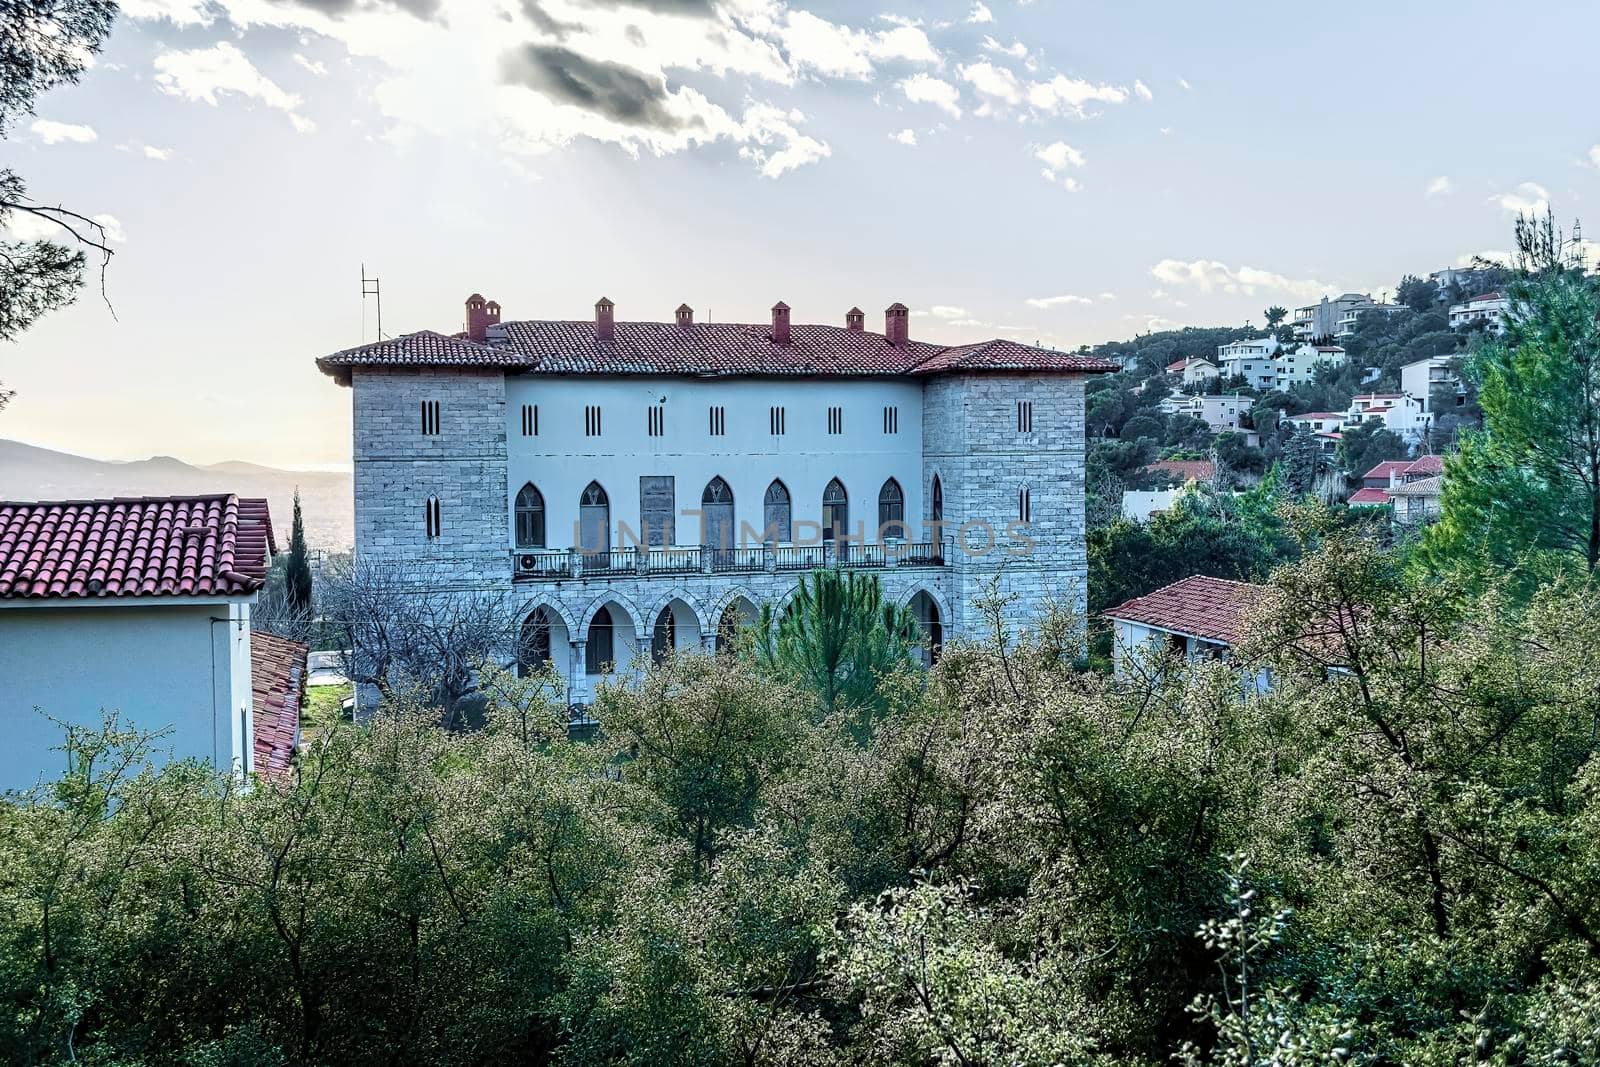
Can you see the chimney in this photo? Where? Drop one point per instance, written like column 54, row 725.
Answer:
column 685, row 315
column 604, row 329
column 478, row 317
column 896, row 325
column 780, row 323
column 855, row 319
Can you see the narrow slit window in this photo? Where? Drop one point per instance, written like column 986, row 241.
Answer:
column 836, row 420
column 1024, row 416
column 430, row 418
column 719, row 421
column 891, row 420
column 776, row 420
column 1024, row 505
column 591, row 420
column 530, row 420
column 432, row 518
column 656, row 420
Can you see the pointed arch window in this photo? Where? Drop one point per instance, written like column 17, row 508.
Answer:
column 775, row 514
column 716, row 516
column 835, row 512
column 891, row 511
column 594, row 520
column 530, row 517
column 936, row 500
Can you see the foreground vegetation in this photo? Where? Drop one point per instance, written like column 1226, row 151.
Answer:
column 1391, row 858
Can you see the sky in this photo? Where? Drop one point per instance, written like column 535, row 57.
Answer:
column 1052, row 171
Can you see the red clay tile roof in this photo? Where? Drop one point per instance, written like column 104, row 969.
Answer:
column 1387, row 467
column 1198, row 469
column 701, row 350
column 277, row 684
column 1423, row 467
column 1176, row 366
column 1369, row 496
column 1211, row 608
column 1324, row 415
column 138, row 547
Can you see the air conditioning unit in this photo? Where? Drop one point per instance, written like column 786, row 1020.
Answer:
column 527, row 562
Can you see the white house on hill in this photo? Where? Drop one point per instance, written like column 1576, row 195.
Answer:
column 142, row 607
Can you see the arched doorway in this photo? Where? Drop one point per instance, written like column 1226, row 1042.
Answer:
column 600, row 650
column 663, row 636
column 594, row 521
column 738, row 615
column 533, row 648
column 929, row 621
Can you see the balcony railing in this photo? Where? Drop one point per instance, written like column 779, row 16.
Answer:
column 561, row 564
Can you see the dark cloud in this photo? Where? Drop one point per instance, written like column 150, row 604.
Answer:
column 611, row 90
column 547, row 23
column 422, row 9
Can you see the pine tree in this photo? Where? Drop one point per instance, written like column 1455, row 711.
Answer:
column 297, row 578
column 1302, row 458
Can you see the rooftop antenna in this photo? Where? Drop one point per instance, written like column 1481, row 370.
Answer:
column 370, row 287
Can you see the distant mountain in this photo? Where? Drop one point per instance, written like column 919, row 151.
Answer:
column 31, row 473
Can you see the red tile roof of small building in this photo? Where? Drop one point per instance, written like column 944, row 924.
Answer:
column 701, row 350
column 1199, row 606
column 1198, row 469
column 1423, row 467
column 1369, row 496
column 1421, row 487
column 1320, row 415
column 137, row 547
column 1176, row 366
column 277, row 685
column 1387, row 467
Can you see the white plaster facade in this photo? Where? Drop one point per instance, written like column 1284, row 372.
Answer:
column 179, row 668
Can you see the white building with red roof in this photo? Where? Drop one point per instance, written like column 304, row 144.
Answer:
column 1487, row 311
column 135, row 606
column 640, row 486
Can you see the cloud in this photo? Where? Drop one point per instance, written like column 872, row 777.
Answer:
column 1056, row 301
column 996, row 84
column 1594, row 157
column 1184, row 85
column 943, row 311
column 907, row 137
column 314, row 66
column 835, row 50
column 1016, row 49
column 58, row 132
column 1063, row 94
column 1143, row 91
column 113, row 228
column 980, row 13
column 201, row 74
column 926, row 89
column 1057, row 158
column 611, row 90
column 159, row 154
column 777, row 146
column 1108, row 296
column 1528, row 198
column 1208, row 275
column 1440, row 186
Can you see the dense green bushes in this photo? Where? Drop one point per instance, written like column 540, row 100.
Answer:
column 1394, row 856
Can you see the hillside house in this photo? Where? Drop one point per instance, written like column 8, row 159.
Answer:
column 1300, row 365
column 1198, row 618
column 1422, row 378
column 1487, row 311
column 1254, row 360
column 142, row 607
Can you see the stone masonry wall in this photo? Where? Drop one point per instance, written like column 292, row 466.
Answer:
column 972, row 442
column 397, row 468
